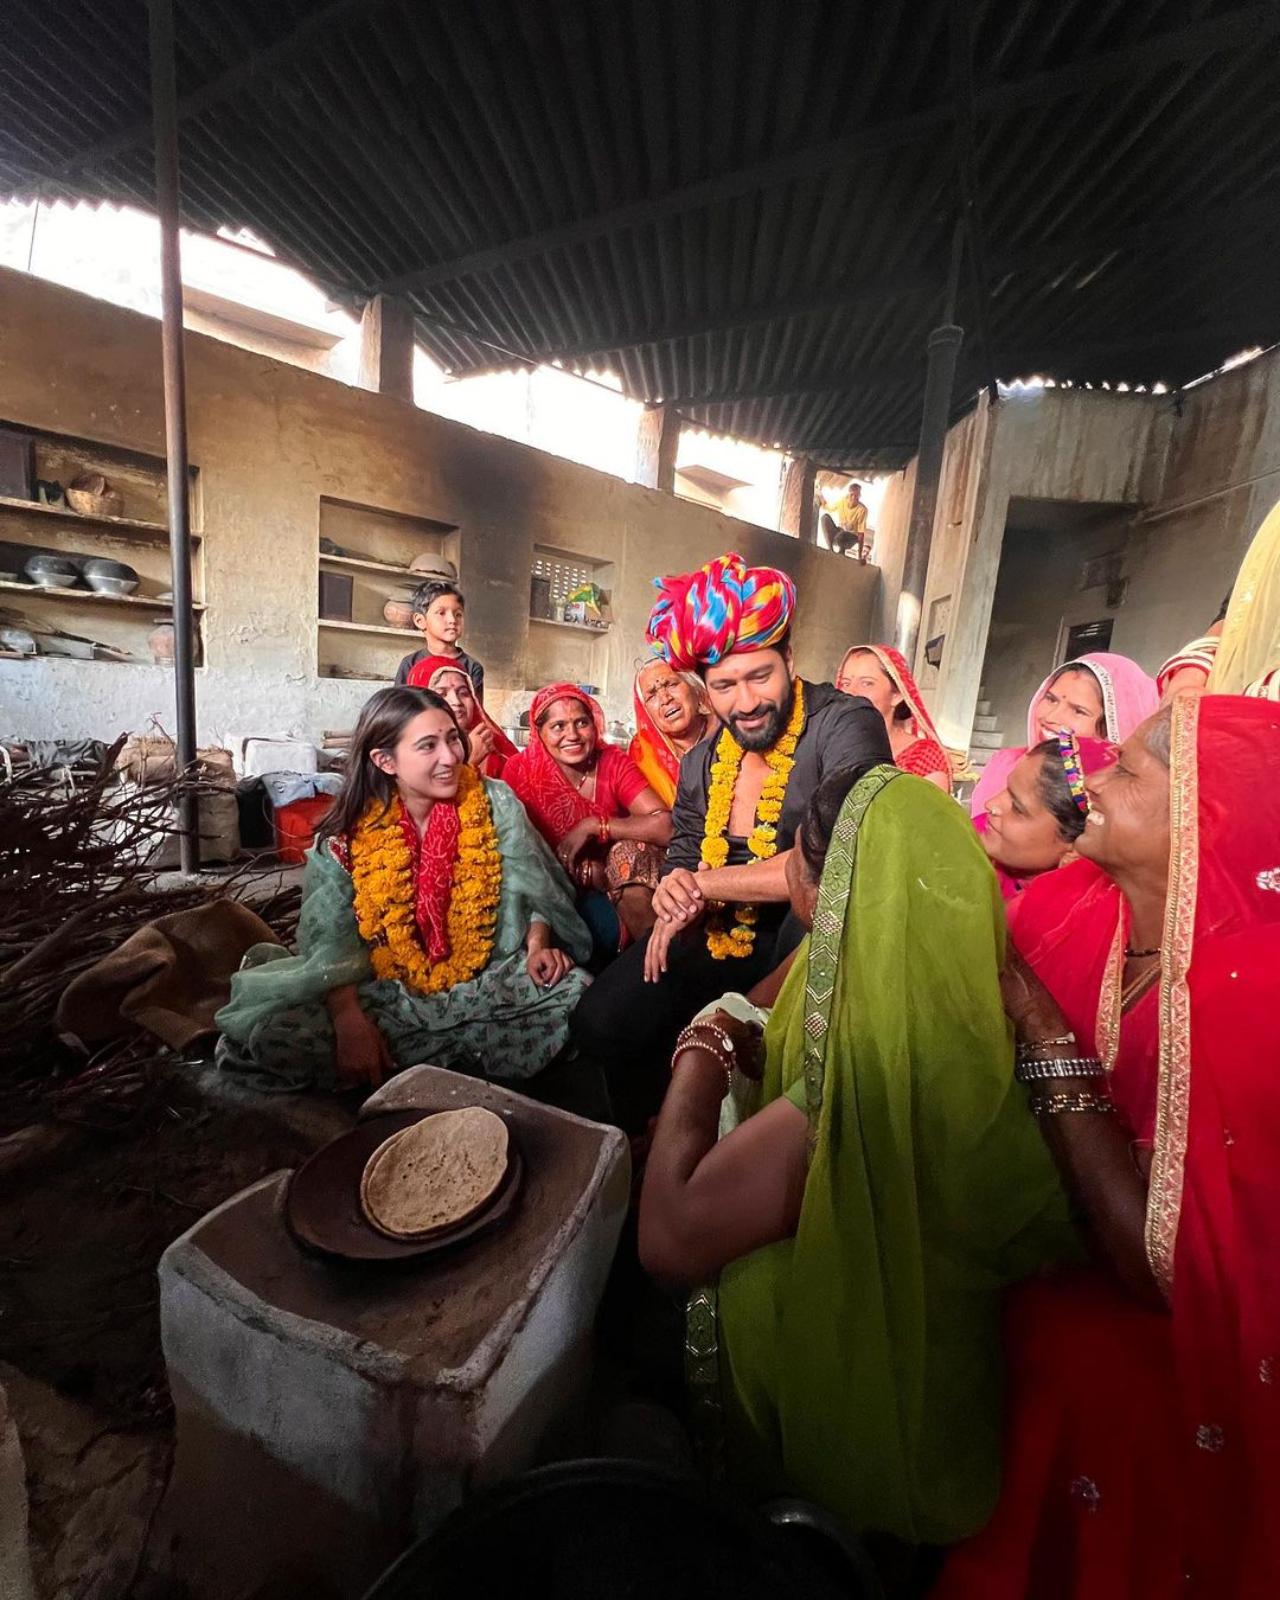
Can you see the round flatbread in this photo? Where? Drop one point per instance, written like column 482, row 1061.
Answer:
column 435, row 1174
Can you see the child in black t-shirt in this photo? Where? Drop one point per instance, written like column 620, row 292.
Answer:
column 439, row 614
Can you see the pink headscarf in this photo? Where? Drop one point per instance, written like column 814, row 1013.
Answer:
column 1129, row 697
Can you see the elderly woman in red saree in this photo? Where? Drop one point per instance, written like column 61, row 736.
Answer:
column 1143, row 1435
column 672, row 715
column 880, row 674
column 592, row 805
column 490, row 747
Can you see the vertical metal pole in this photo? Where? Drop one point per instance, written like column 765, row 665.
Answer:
column 943, row 351
column 165, row 127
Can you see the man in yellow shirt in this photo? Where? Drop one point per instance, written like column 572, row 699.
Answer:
column 845, row 522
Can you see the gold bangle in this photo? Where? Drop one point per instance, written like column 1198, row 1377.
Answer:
column 712, row 1039
column 1050, row 1105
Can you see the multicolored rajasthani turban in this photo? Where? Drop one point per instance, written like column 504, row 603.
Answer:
column 704, row 616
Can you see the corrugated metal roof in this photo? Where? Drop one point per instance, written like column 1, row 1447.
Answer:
column 743, row 206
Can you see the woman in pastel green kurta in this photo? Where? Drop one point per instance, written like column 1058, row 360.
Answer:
column 290, row 1020
column 850, row 1350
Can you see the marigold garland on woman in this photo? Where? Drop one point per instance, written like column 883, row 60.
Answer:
column 435, row 925
column 382, row 869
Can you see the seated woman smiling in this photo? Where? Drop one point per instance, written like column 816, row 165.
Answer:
column 592, row 805
column 435, row 925
column 865, row 1214
column 1032, row 825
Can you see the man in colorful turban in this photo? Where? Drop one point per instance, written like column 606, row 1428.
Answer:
column 741, row 796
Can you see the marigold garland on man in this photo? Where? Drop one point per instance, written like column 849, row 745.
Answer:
column 740, row 797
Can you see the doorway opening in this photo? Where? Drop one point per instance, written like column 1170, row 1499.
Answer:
column 1059, row 587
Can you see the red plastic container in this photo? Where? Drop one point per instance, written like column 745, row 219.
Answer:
column 296, row 824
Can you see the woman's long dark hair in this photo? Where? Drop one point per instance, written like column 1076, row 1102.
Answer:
column 1055, row 792
column 383, row 718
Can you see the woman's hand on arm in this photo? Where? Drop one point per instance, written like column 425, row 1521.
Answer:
column 576, row 841
column 361, row 1054
column 705, row 1204
column 544, row 962
column 1092, row 1149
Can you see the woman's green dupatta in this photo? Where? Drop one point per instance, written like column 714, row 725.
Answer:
column 860, row 1362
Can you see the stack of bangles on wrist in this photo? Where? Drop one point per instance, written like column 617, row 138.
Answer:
column 712, row 1038
column 1039, row 1071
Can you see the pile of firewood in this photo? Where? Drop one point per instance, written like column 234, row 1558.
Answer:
column 75, row 882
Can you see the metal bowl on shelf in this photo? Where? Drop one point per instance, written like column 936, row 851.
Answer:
column 52, row 572
column 17, row 641
column 105, row 576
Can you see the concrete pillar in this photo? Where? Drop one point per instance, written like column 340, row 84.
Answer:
column 386, row 347
column 798, row 514
column 944, row 348
column 657, row 440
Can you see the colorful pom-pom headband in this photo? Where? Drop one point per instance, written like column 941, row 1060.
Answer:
column 1069, row 750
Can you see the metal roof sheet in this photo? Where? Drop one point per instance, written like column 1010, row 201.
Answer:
column 742, row 207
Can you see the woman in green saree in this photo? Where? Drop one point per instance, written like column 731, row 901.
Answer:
column 435, row 925
column 883, row 1188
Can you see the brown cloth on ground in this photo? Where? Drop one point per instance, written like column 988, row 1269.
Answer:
column 169, row 977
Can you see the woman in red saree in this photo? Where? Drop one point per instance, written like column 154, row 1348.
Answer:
column 490, row 747
column 881, row 674
column 592, row 805
column 1143, row 1413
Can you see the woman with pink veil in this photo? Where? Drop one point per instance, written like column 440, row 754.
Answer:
column 1098, row 696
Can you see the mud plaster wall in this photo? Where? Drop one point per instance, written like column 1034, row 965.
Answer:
column 269, row 440
column 1197, row 478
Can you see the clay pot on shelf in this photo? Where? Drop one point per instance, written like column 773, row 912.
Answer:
column 161, row 643
column 92, row 495
column 398, row 613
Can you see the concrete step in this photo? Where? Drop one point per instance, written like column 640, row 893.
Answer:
column 987, row 724
column 983, row 708
column 985, row 741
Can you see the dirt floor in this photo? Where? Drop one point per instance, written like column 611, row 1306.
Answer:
column 79, row 1243
column 81, row 1233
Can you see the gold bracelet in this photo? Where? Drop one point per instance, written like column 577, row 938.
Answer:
column 1061, row 1041
column 1049, row 1105
column 712, row 1038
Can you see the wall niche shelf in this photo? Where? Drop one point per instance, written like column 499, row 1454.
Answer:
column 377, row 548
column 127, row 528
column 338, row 625
column 359, row 564
column 573, row 627
column 33, row 591
column 572, row 651
column 139, row 537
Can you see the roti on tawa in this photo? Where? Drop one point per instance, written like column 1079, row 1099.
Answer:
column 435, row 1174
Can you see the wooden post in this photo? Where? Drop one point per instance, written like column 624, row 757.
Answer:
column 386, row 347
column 798, row 514
column 657, row 440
